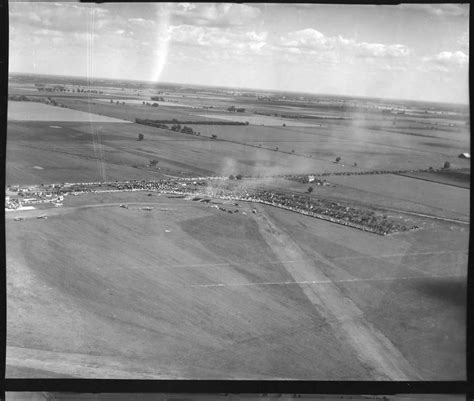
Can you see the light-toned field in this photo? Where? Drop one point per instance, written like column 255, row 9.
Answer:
column 140, row 102
column 132, row 111
column 370, row 149
column 258, row 120
column 188, row 291
column 33, row 111
column 431, row 194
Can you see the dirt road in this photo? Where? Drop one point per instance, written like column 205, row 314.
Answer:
column 374, row 350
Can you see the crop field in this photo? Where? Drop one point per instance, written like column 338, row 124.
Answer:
column 85, row 152
column 132, row 111
column 205, row 294
column 459, row 178
column 257, row 120
column 372, row 149
column 367, row 148
column 141, row 285
column 140, row 102
column 432, row 194
column 32, row 111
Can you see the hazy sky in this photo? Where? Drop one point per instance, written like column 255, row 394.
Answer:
column 417, row 51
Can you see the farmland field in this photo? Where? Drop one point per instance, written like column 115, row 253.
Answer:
column 140, row 102
column 214, row 319
column 30, row 111
column 257, row 120
column 147, row 285
column 432, row 194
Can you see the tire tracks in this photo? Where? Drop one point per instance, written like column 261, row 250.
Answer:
column 375, row 351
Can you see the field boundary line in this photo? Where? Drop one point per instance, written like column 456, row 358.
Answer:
column 309, row 282
column 426, row 179
column 271, row 262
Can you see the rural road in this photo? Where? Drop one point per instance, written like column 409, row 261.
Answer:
column 68, row 209
column 429, row 216
column 375, row 351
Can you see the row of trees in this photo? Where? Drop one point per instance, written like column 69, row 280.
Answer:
column 117, row 102
column 234, row 109
column 150, row 104
column 63, row 89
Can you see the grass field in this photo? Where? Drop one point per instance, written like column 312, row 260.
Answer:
column 432, row 194
column 32, row 111
column 82, row 151
column 140, row 102
column 187, row 288
column 257, row 120
column 132, row 111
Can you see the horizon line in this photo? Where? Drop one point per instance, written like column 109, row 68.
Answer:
column 237, row 88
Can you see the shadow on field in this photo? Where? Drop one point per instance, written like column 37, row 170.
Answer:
column 453, row 289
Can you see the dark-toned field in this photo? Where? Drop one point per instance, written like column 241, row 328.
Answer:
column 205, row 294
column 77, row 150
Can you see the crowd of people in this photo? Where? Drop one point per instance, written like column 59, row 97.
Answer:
column 357, row 217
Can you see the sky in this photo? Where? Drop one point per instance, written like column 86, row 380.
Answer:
column 407, row 51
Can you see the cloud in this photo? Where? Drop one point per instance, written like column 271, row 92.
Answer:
column 439, row 10
column 463, row 42
column 213, row 37
column 380, row 50
column 311, row 41
column 57, row 16
column 49, row 33
column 212, row 15
column 448, row 59
column 305, row 39
column 141, row 22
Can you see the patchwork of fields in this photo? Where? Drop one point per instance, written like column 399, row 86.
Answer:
column 186, row 290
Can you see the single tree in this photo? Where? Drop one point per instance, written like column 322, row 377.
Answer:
column 338, row 159
column 447, row 165
column 238, row 176
column 140, row 137
column 310, row 189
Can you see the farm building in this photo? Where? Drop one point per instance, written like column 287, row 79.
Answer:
column 465, row 156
